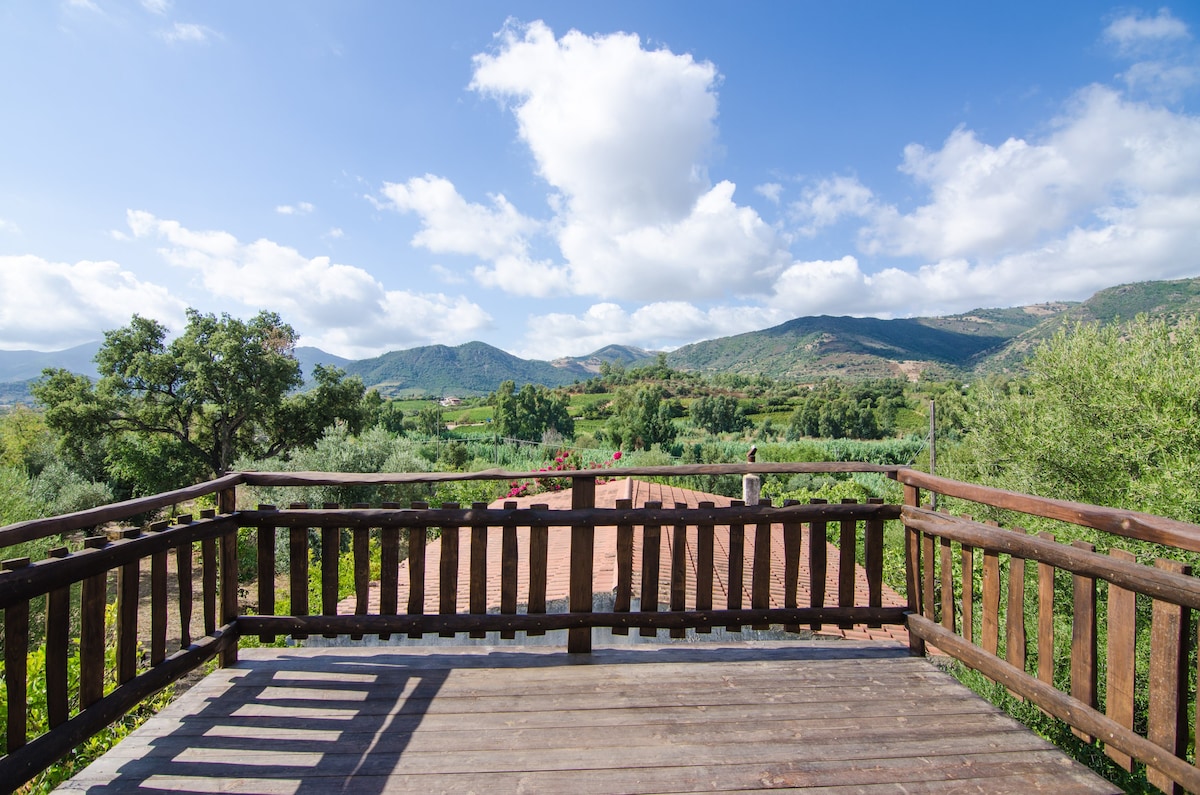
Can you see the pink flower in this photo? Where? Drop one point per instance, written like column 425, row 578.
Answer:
column 617, row 456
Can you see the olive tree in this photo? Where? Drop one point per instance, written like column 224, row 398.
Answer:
column 169, row 413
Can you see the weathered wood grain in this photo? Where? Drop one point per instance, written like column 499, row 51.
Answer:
column 827, row 717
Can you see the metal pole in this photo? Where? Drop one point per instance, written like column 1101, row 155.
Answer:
column 933, row 448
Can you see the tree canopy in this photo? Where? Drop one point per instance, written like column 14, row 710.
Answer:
column 529, row 413
column 164, row 414
column 1108, row 415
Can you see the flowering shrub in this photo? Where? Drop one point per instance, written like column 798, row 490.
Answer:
column 564, row 461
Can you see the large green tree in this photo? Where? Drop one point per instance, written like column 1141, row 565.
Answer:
column 529, row 413
column 166, row 413
column 643, row 417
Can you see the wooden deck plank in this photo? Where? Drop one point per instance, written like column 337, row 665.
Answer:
column 680, row 718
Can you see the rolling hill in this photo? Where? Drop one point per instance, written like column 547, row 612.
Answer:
column 806, row 348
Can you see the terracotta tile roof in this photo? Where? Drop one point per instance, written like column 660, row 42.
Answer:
column 604, row 560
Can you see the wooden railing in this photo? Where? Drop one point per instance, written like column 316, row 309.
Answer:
column 1005, row 628
column 986, row 627
column 76, row 580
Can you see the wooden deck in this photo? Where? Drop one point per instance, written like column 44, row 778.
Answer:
column 822, row 716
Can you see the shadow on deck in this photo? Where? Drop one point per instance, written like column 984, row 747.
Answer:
column 828, row 716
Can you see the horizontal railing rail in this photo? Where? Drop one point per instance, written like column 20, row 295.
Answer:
column 1130, row 524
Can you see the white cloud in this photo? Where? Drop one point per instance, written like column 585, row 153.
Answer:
column 335, row 233
column 1134, row 32
column 1165, row 62
column 497, row 233
column 299, row 208
column 986, row 201
column 85, row 5
column 622, row 135
column 54, row 305
column 188, row 32
column 340, row 308
column 717, row 250
column 9, row 227
column 829, row 201
column 159, row 7
column 452, row 225
column 770, row 190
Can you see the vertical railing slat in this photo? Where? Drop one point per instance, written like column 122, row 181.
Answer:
column 266, row 571
column 912, row 569
column 92, row 600
column 1083, row 639
column 16, row 665
column 389, row 567
column 331, row 547
column 873, row 560
column 1014, row 616
column 158, row 601
column 1120, row 677
column 847, row 562
column 479, row 540
column 58, row 632
column 792, row 540
column 298, row 569
column 208, row 586
column 929, row 577
column 183, row 581
column 508, row 571
column 1045, row 630
column 447, row 570
column 967, row 556
column 990, row 624
column 651, row 551
column 623, row 595
column 679, row 567
column 735, row 577
column 1169, row 646
column 817, row 563
column 539, row 550
column 760, row 577
column 360, row 544
column 705, row 534
column 128, row 577
column 416, row 567
column 946, row 572
column 583, row 542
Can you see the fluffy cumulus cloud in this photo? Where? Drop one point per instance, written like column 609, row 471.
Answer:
column 1103, row 198
column 340, row 308
column 497, row 233
column 622, row 135
column 53, row 305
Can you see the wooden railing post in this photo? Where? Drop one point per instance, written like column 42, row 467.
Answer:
column 583, row 538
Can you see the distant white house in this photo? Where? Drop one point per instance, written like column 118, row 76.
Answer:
column 451, row 401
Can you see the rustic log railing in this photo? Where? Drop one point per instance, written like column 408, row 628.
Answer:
column 947, row 553
column 984, row 628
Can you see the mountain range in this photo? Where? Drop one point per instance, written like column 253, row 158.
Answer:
column 806, row 348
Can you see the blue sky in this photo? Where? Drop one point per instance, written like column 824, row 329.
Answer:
column 554, row 177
